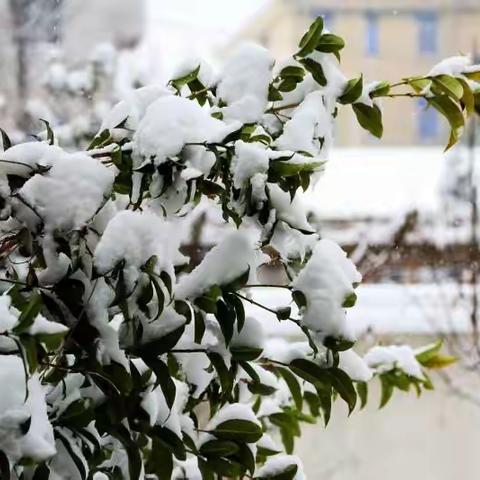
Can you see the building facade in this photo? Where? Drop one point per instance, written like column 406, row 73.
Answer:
column 385, row 40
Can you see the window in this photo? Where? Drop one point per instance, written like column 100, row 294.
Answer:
column 372, row 39
column 327, row 17
column 427, row 32
column 427, row 118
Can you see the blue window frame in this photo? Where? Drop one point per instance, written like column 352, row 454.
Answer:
column 427, row 118
column 427, row 32
column 372, row 34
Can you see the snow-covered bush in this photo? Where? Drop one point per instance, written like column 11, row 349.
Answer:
column 122, row 361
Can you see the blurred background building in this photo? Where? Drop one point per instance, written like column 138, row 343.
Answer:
column 387, row 40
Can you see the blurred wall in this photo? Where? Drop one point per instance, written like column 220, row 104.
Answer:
column 434, row 437
column 88, row 23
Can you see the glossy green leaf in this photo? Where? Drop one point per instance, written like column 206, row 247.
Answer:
column 220, row 448
column 238, row 430
column 449, row 85
column 330, row 43
column 315, row 69
column 352, row 92
column 369, row 118
column 362, row 391
column 311, row 38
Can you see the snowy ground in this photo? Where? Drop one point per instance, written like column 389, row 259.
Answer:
column 384, row 309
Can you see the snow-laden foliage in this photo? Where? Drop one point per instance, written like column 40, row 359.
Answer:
column 120, row 357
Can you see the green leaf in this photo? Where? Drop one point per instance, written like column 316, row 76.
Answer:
column 250, row 371
column 475, row 76
column 313, row 402
column 325, row 397
column 380, row 90
column 161, row 345
column 207, row 304
column 226, row 379
column 292, row 71
column 245, row 457
column 164, row 379
column 4, row 466
column 118, row 375
column 321, row 377
column 419, row 84
column 210, row 188
column 42, row 472
column 337, row 344
column 5, row 139
column 245, row 354
column 167, row 281
column 239, row 311
column 238, row 282
column 50, row 135
column 29, row 313
column 171, row 441
column 199, row 326
column 160, row 461
column 179, row 82
column 287, row 85
column 369, row 118
column 468, row 98
column 261, row 389
column 453, row 113
column 220, row 448
column 449, row 85
column 352, row 92
column 144, row 298
column 428, row 352
column 273, row 94
column 440, row 361
column 290, row 76
column 283, row 313
column 350, row 300
column 299, row 298
column 122, row 434
column 362, row 390
column 387, row 390
column 100, row 140
column 315, row 70
column 239, row 430
column 343, row 384
column 330, row 43
column 78, row 414
column 29, row 352
column 310, row 371
column 160, row 296
column 279, row 169
column 287, row 474
column 449, row 109
column 293, row 386
column 225, row 316
column 311, row 38
column 76, row 459
column 224, row 467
